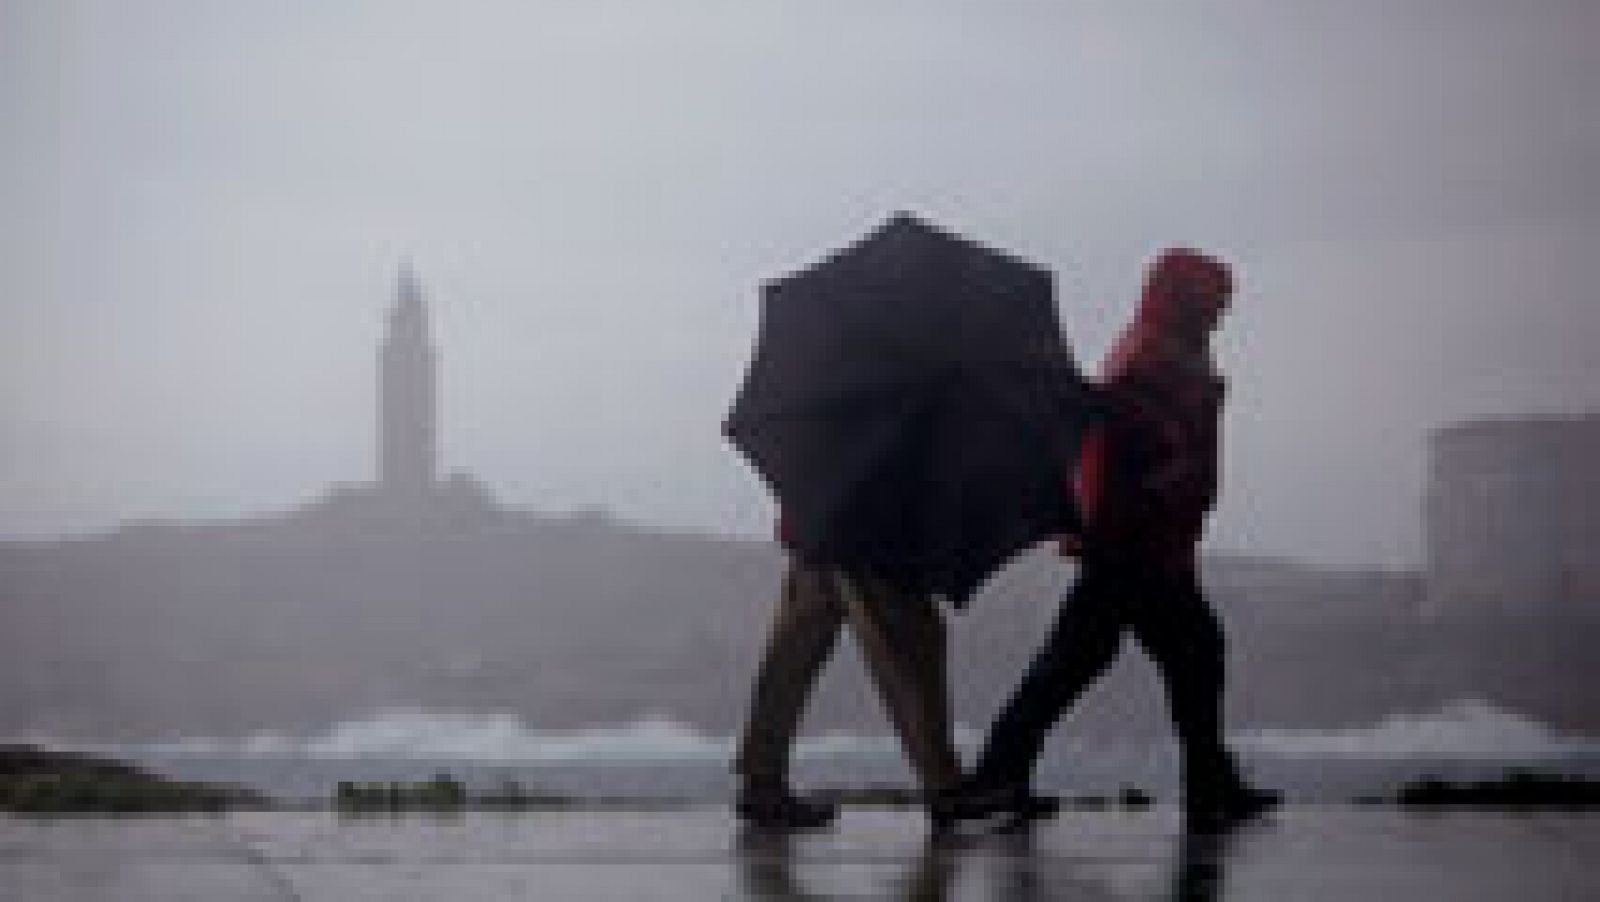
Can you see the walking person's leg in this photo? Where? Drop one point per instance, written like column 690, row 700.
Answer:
column 1085, row 639
column 805, row 628
column 902, row 638
column 1182, row 634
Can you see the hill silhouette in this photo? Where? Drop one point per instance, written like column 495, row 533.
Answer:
column 308, row 617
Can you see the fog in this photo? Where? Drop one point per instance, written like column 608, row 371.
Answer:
column 207, row 205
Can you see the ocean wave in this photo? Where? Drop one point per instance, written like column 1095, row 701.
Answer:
column 420, row 733
column 401, row 733
column 1464, row 729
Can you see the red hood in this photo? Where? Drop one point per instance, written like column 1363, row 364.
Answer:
column 1158, row 306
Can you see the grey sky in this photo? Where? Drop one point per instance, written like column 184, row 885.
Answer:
column 207, row 203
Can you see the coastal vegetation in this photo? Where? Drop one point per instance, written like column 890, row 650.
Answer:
column 1514, row 789
column 443, row 792
column 34, row 780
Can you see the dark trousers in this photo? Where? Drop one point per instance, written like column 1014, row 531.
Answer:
column 1160, row 603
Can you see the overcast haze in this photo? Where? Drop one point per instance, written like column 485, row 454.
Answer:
column 207, row 203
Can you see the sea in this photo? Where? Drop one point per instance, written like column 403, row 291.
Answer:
column 656, row 759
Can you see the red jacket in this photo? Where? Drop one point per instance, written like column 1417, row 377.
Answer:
column 1147, row 476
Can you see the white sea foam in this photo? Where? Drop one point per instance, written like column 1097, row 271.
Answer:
column 1466, row 729
column 401, row 733
column 416, row 733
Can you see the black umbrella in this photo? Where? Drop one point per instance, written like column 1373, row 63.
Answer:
column 912, row 404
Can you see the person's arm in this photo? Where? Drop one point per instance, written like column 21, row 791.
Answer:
column 1086, row 483
column 1145, row 401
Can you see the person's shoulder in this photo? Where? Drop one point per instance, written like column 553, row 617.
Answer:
column 1163, row 368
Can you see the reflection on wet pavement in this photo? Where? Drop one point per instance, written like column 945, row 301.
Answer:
column 1302, row 853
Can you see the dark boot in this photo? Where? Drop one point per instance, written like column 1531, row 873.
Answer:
column 1236, row 806
column 1215, row 796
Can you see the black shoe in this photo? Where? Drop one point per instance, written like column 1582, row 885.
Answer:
column 784, row 811
column 1233, row 806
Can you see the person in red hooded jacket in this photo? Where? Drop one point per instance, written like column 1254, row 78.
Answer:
column 1146, row 481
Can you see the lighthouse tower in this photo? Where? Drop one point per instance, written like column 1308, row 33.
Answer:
column 408, row 397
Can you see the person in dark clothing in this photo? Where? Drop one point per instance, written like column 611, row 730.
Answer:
column 1146, row 481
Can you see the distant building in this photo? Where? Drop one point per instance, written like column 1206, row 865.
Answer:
column 1513, row 517
column 409, row 493
column 408, row 405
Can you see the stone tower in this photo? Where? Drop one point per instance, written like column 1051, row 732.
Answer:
column 408, row 406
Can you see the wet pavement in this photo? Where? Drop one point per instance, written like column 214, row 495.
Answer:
column 1301, row 853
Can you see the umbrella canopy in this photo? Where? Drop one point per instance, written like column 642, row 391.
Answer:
column 914, row 407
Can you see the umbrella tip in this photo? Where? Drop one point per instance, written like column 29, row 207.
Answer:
column 907, row 223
